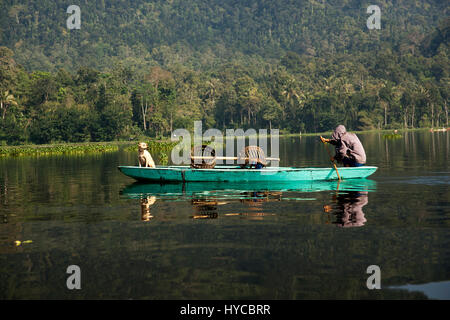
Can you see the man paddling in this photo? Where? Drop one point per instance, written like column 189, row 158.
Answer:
column 349, row 150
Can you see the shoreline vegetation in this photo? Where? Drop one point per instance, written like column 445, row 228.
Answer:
column 158, row 146
column 161, row 146
column 58, row 149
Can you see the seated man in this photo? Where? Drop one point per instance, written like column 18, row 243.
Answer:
column 349, row 150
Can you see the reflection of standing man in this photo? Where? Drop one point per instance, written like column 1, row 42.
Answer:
column 348, row 209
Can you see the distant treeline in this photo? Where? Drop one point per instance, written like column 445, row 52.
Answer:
column 148, row 67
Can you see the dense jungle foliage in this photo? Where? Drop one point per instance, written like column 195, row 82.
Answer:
column 148, row 67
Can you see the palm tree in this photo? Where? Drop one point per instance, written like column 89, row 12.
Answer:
column 6, row 99
column 293, row 96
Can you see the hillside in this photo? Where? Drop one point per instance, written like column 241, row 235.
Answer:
column 192, row 31
column 295, row 65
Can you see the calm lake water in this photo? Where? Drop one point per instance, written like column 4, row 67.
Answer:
column 134, row 241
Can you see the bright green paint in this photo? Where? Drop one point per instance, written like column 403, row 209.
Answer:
column 236, row 174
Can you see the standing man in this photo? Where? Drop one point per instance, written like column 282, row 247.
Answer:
column 349, row 150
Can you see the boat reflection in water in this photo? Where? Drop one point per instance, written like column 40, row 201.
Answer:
column 208, row 208
column 346, row 205
column 254, row 201
column 347, row 208
column 205, row 208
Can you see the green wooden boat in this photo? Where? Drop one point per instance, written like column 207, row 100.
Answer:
column 173, row 174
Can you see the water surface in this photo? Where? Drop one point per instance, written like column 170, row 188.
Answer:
column 315, row 241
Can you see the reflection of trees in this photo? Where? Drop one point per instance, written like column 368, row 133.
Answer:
column 10, row 230
column 347, row 208
column 178, row 260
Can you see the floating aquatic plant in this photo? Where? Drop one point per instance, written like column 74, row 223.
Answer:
column 67, row 148
column 392, row 136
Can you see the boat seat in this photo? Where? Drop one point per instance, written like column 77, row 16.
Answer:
column 203, row 151
column 253, row 156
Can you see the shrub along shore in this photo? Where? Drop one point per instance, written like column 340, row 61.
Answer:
column 156, row 146
column 63, row 148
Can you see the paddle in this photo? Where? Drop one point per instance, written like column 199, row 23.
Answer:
column 331, row 158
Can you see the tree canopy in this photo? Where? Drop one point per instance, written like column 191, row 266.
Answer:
column 149, row 67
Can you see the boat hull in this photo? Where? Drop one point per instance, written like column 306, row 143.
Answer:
column 174, row 174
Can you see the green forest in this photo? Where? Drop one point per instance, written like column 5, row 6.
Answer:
column 144, row 68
